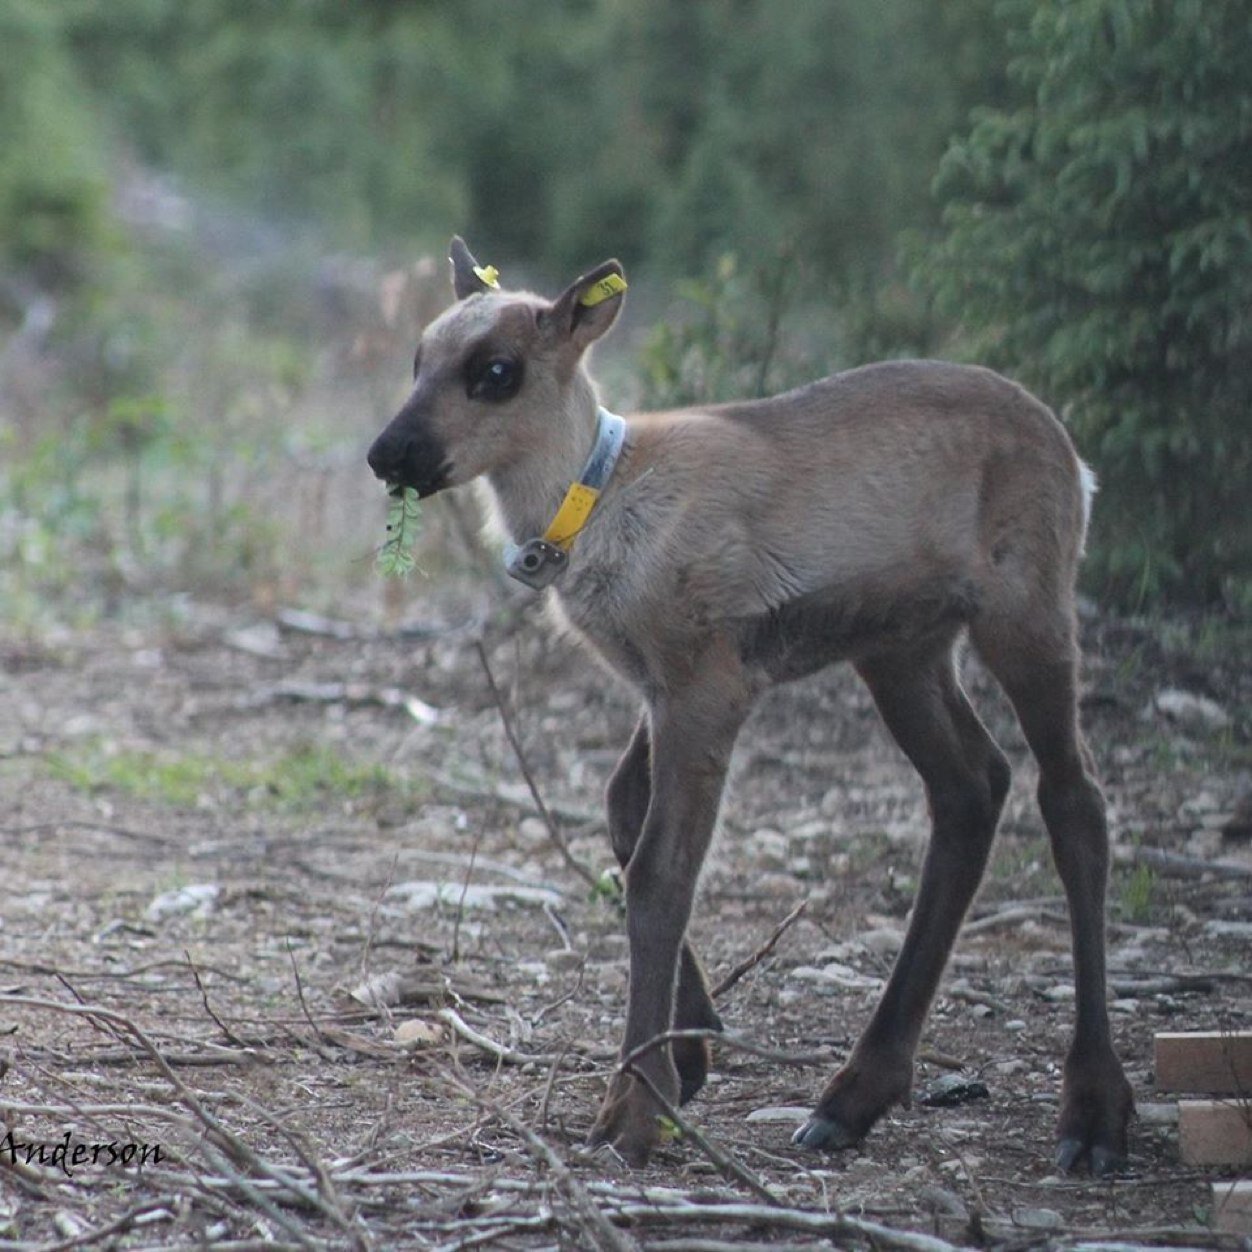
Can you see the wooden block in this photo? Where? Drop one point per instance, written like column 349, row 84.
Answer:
column 1232, row 1207
column 1205, row 1062
column 1215, row 1132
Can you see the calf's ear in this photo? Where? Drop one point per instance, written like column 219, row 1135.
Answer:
column 587, row 307
column 468, row 277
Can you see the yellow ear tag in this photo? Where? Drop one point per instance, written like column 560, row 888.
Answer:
column 488, row 274
column 610, row 285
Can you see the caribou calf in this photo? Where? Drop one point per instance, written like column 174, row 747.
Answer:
column 707, row 553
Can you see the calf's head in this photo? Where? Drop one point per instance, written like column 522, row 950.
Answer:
column 497, row 378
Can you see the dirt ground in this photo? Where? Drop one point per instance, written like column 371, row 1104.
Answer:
column 287, row 958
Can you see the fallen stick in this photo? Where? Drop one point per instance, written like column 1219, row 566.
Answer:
column 1176, row 865
column 595, row 1223
column 729, row 1167
column 554, row 834
column 751, row 962
column 497, row 1051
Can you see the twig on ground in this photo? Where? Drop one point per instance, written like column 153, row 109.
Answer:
column 108, row 975
column 554, row 833
column 325, row 1183
column 229, row 1034
column 751, row 962
column 497, row 1051
column 594, row 1224
column 460, row 904
column 1011, row 915
column 131, row 1217
column 549, row 1086
column 735, row 1043
column 835, row 1225
column 729, row 1167
column 502, row 793
column 1178, row 865
column 220, row 1143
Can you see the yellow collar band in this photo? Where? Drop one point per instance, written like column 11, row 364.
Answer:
column 540, row 561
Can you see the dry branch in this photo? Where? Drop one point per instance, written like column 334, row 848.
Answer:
column 751, row 962
column 554, row 833
column 595, row 1226
column 729, row 1167
column 497, row 1051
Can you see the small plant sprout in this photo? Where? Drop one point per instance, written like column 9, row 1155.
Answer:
column 395, row 557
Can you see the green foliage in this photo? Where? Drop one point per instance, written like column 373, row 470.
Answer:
column 1099, row 246
column 52, row 176
column 666, row 132
column 302, row 780
column 395, row 557
column 733, row 337
column 1138, row 895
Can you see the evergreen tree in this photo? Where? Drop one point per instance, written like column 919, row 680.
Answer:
column 1099, row 246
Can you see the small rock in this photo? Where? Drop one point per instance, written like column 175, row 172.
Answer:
column 1228, row 930
column 1188, row 710
column 950, row 1090
column 379, row 990
column 563, row 958
column 1015, row 1025
column 941, row 1200
column 814, row 828
column 789, row 1113
column 533, row 831
column 771, row 847
column 261, row 640
column 1062, row 993
column 1038, row 1219
column 420, row 895
column 837, row 974
column 415, row 1034
column 1010, row 1068
column 197, row 900
column 884, row 940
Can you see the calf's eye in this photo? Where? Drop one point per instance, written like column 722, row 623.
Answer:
column 494, row 379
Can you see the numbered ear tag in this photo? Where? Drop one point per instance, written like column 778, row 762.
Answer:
column 537, row 563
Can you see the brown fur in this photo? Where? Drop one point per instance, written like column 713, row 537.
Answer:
column 871, row 517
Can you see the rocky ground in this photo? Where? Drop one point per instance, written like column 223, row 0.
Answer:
column 281, row 924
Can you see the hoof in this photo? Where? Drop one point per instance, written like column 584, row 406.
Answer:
column 692, row 1059
column 1071, row 1153
column 820, row 1134
column 627, row 1121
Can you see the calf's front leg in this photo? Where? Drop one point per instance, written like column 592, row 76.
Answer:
column 628, row 797
column 692, row 734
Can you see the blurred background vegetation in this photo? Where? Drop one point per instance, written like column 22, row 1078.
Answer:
column 217, row 219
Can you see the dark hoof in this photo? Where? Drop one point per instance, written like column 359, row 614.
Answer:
column 1068, row 1153
column 1071, row 1153
column 693, row 1057
column 819, row 1134
column 692, row 1073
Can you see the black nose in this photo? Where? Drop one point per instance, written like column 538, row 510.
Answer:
column 382, row 458
column 408, row 457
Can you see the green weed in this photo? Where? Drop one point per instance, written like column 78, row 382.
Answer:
column 1137, row 896
column 304, row 779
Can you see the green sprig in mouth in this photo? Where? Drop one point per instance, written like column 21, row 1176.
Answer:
column 395, row 558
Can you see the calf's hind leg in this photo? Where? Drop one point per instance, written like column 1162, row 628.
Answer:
column 966, row 778
column 1038, row 670
column 629, row 794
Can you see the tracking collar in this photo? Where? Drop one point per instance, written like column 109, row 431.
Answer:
column 539, row 562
